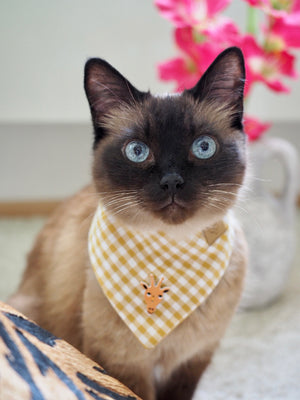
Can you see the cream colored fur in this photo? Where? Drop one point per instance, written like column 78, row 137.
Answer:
column 60, row 292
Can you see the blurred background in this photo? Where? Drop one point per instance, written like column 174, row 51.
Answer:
column 45, row 155
column 45, row 130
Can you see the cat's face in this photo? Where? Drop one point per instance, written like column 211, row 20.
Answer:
column 174, row 158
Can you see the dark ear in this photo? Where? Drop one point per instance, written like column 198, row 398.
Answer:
column 223, row 83
column 106, row 89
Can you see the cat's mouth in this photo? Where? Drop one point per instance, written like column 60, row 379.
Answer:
column 171, row 204
column 172, row 211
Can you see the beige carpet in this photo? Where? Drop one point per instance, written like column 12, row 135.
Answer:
column 259, row 358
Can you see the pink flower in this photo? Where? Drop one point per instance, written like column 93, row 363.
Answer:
column 196, row 46
column 225, row 32
column 180, row 12
column 255, row 3
column 190, row 12
column 277, row 8
column 266, row 67
column 183, row 71
column 254, row 128
column 283, row 28
column 201, row 33
column 287, row 29
column 198, row 51
column 196, row 57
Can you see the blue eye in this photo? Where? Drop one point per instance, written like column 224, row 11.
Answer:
column 137, row 151
column 204, row 147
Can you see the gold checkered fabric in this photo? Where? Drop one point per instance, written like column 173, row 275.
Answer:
column 122, row 258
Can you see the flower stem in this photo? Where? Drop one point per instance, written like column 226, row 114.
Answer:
column 252, row 21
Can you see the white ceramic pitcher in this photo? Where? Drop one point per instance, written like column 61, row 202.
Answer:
column 268, row 221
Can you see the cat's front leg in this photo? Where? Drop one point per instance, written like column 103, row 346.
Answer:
column 183, row 381
column 108, row 341
column 138, row 378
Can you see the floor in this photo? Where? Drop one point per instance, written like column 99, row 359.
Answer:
column 259, row 358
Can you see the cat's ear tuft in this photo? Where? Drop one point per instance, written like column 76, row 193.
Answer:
column 107, row 89
column 223, row 83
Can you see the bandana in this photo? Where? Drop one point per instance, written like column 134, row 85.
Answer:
column 130, row 266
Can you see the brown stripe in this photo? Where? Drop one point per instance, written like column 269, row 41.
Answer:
column 27, row 208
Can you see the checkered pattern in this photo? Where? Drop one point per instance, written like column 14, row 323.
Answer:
column 122, row 258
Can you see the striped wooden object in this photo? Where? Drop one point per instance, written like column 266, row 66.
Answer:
column 35, row 365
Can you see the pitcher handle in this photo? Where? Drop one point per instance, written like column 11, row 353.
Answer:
column 288, row 157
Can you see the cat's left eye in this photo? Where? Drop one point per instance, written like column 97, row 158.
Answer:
column 204, row 147
column 137, row 151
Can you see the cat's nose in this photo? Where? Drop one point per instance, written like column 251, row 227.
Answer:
column 171, row 182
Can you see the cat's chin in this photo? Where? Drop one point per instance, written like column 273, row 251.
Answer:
column 173, row 214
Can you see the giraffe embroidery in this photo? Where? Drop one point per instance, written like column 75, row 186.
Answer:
column 153, row 294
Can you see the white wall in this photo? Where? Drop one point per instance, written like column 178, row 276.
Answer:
column 44, row 161
column 44, row 45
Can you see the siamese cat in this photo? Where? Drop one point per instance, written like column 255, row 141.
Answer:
column 167, row 169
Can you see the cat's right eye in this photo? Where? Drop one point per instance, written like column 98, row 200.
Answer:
column 137, row 151
column 204, row 147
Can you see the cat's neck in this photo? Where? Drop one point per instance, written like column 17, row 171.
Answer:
column 179, row 232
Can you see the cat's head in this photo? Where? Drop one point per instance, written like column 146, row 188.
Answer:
column 173, row 158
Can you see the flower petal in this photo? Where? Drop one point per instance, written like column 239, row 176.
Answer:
column 215, row 6
column 254, row 128
column 288, row 29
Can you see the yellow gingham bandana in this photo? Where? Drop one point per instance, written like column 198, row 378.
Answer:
column 122, row 258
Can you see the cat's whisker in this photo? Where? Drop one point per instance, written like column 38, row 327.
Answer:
column 214, row 202
column 126, row 206
column 225, row 184
column 220, row 199
column 223, row 191
column 137, row 214
column 222, row 203
column 106, row 198
column 240, row 199
column 242, row 209
column 119, row 200
column 213, row 205
column 119, row 196
column 241, row 186
column 111, row 199
column 241, row 191
column 239, row 207
column 110, row 193
column 255, row 178
column 128, row 200
column 121, row 192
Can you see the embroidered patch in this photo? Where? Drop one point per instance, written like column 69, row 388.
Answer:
column 211, row 234
column 153, row 293
column 122, row 258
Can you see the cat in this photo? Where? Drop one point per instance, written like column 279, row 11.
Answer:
column 172, row 164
